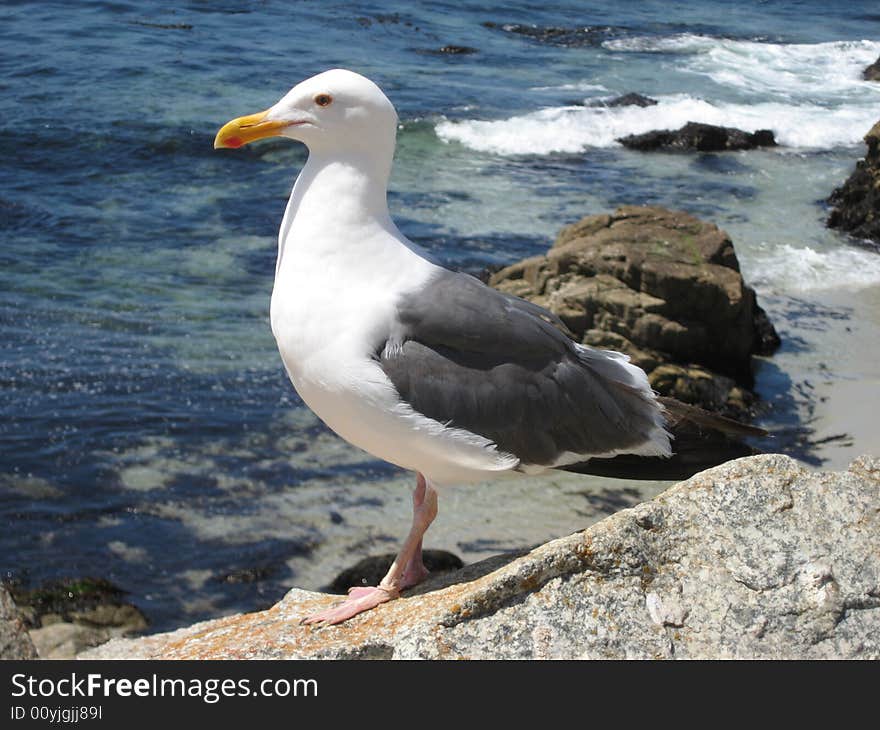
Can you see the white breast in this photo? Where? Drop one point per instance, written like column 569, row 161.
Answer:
column 330, row 317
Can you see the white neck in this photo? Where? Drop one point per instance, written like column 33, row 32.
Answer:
column 337, row 193
column 340, row 258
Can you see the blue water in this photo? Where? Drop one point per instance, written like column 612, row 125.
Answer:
column 142, row 394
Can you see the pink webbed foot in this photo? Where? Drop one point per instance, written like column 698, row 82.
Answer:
column 359, row 599
column 406, row 570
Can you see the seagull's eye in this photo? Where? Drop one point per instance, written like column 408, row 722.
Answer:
column 323, row 100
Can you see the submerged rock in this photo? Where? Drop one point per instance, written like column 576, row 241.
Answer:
column 456, row 50
column 14, row 640
column 857, row 202
column 586, row 35
column 757, row 558
column 69, row 616
column 872, row 72
column 163, row 26
column 450, row 50
column 664, row 288
column 699, row 137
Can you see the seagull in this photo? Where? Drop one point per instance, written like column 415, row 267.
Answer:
column 421, row 366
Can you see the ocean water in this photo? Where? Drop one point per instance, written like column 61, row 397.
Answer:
column 148, row 433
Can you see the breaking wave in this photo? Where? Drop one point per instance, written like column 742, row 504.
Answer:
column 811, row 95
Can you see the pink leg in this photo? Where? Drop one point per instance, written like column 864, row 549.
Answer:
column 415, row 571
column 406, row 570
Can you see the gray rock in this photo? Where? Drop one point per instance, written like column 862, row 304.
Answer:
column 857, row 202
column 697, row 137
column 14, row 640
column 584, row 35
column 65, row 636
column 62, row 640
column 633, row 99
column 452, row 50
column 757, row 558
column 67, row 616
column 629, row 99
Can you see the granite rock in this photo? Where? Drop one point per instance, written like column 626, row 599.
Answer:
column 14, row 640
column 757, row 558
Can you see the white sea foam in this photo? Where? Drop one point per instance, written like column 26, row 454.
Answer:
column 789, row 69
column 574, row 129
column 788, row 268
column 581, row 86
column 695, row 43
column 811, row 96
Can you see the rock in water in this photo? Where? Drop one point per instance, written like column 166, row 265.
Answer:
column 68, row 616
column 568, row 37
column 699, row 137
column 14, row 640
column 457, row 50
column 631, row 99
column 449, row 50
column 757, row 558
column 661, row 286
column 872, row 72
column 857, row 202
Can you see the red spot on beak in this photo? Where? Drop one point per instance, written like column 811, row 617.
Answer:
column 233, row 142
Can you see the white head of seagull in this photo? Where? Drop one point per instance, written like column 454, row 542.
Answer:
column 337, row 111
column 350, row 128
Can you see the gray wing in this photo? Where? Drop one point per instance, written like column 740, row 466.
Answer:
column 465, row 354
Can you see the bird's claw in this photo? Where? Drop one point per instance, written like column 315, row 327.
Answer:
column 359, row 600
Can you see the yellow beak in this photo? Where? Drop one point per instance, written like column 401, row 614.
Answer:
column 244, row 130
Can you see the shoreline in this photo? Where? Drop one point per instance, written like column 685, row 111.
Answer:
column 853, row 396
column 834, row 370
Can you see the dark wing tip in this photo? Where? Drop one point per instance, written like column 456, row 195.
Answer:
column 682, row 413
